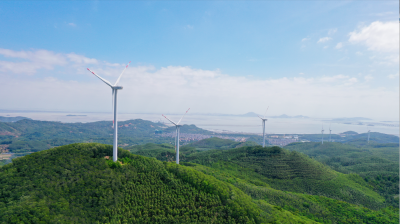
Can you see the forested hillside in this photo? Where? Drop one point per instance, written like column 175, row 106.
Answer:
column 79, row 183
column 376, row 163
column 275, row 175
column 289, row 171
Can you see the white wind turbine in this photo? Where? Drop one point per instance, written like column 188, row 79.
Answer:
column 368, row 135
column 115, row 89
column 330, row 133
column 263, row 125
column 322, row 132
column 177, row 135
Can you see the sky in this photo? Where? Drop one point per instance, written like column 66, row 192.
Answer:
column 312, row 58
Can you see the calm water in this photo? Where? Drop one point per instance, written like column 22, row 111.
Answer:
column 228, row 123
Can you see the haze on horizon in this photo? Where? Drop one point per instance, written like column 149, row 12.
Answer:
column 311, row 58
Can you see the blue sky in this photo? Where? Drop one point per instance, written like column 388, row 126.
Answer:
column 275, row 50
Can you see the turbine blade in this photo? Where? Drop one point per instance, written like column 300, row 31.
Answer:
column 259, row 116
column 105, row 81
column 183, row 116
column 169, row 119
column 266, row 111
column 121, row 74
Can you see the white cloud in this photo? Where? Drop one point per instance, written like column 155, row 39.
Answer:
column 359, row 53
column 81, row 59
column 332, row 31
column 325, row 47
column 378, row 36
column 351, row 81
column 189, row 27
column 72, row 24
column 39, row 59
column 304, row 39
column 301, row 73
column 175, row 88
column 335, row 78
column 339, row 45
column 393, row 76
column 368, row 78
column 324, row 39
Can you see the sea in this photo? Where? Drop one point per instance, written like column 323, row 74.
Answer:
column 228, row 123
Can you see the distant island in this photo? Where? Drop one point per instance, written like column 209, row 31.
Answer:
column 350, row 119
column 73, row 115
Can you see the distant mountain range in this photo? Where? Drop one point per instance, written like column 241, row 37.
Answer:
column 12, row 119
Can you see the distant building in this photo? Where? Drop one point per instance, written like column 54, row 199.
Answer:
column 158, row 132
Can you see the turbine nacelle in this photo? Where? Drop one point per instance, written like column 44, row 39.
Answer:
column 117, row 87
column 264, row 119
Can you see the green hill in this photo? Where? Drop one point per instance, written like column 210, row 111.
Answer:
column 77, row 184
column 276, row 167
column 289, row 171
column 271, row 178
column 318, row 208
column 377, row 163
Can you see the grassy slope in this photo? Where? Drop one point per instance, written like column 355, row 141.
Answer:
column 290, row 171
column 74, row 183
column 279, row 168
column 311, row 178
column 377, row 163
column 319, row 208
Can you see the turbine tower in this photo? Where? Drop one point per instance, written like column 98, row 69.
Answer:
column 263, row 125
column 115, row 89
column 322, row 133
column 368, row 135
column 177, row 135
column 330, row 133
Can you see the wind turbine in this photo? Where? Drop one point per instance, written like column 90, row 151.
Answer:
column 263, row 125
column 368, row 135
column 322, row 132
column 115, row 89
column 177, row 135
column 330, row 133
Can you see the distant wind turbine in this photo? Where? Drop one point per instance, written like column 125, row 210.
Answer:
column 330, row 133
column 263, row 125
column 322, row 133
column 115, row 89
column 368, row 135
column 177, row 135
